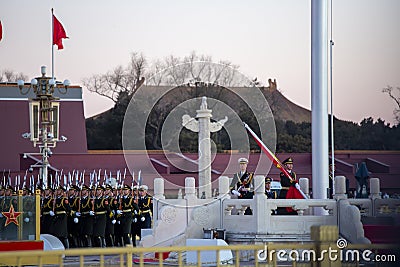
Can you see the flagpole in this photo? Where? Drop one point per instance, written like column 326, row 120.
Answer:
column 52, row 44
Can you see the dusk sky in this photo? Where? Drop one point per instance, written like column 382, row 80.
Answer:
column 266, row 38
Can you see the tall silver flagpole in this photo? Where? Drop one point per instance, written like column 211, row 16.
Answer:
column 331, row 80
column 319, row 98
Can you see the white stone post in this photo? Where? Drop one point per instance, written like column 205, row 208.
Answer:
column 223, row 185
column 190, row 188
column 159, row 188
column 158, row 195
column 304, row 186
column 204, row 116
column 260, row 205
column 375, row 188
column 259, row 185
column 340, row 187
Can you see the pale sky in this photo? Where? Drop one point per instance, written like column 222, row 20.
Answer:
column 266, row 38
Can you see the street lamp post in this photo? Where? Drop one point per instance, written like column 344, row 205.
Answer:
column 44, row 114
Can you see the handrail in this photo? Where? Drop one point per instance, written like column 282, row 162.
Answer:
column 129, row 253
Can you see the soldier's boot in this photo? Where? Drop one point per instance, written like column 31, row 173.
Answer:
column 65, row 243
column 127, row 240
column 76, row 241
column 97, row 241
column 134, row 240
column 88, row 241
column 110, row 241
column 71, row 241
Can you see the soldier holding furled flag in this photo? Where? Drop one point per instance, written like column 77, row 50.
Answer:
column 287, row 182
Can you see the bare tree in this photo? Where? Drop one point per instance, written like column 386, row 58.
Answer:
column 121, row 80
column 395, row 95
column 174, row 71
column 10, row 76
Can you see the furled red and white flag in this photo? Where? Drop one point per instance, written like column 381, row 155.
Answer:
column 1, row 31
column 295, row 191
column 58, row 33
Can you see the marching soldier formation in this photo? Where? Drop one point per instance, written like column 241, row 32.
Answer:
column 96, row 217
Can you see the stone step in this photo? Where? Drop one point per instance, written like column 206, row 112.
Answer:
column 236, row 238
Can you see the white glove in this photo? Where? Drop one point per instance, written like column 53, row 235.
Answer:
column 135, row 211
column 78, row 214
column 119, row 222
column 1, row 215
column 29, row 213
column 91, row 213
column 236, row 193
column 297, row 186
column 114, row 221
column 76, row 220
column 52, row 213
column 113, row 212
column 143, row 219
column 135, row 220
column 119, row 212
column 26, row 220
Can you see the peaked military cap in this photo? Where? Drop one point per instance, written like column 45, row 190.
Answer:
column 108, row 187
column 74, row 187
column 288, row 161
column 143, row 187
column 99, row 187
column 85, row 187
column 243, row 160
column 126, row 187
column 268, row 180
column 60, row 187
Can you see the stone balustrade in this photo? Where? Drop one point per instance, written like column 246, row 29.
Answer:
column 190, row 215
column 264, row 221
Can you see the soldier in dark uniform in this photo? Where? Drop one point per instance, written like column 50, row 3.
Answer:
column 61, row 209
column 28, row 215
column 46, row 220
column 136, row 222
column 129, row 207
column 11, row 230
column 146, row 207
column 87, row 217
column 101, row 209
column 242, row 184
column 117, row 210
column 268, row 192
column 73, row 220
column 110, row 223
column 287, row 182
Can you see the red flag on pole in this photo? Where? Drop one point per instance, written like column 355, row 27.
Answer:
column 58, row 33
column 276, row 162
column 268, row 152
column 1, row 31
column 293, row 193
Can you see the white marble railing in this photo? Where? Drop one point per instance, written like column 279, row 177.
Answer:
column 263, row 220
column 386, row 207
column 364, row 205
column 190, row 215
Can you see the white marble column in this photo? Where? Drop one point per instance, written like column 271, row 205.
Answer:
column 204, row 126
column 204, row 115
